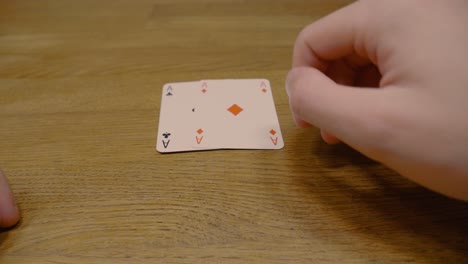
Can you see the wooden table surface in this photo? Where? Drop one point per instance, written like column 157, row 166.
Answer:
column 80, row 90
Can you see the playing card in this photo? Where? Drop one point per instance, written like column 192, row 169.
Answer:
column 175, row 133
column 218, row 114
column 237, row 114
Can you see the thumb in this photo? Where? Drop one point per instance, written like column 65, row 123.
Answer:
column 355, row 115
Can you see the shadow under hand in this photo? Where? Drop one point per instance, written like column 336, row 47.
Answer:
column 4, row 233
column 377, row 203
column 3, row 236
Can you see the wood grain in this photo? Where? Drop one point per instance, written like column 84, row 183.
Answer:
column 80, row 86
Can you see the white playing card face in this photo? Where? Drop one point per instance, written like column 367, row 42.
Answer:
column 237, row 114
column 175, row 133
column 201, row 137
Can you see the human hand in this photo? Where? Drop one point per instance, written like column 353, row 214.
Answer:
column 9, row 213
column 415, row 53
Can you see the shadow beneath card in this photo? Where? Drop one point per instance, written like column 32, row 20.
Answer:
column 377, row 202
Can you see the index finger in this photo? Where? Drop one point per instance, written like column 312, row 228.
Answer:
column 340, row 34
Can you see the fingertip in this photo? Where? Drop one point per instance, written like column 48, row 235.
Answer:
column 298, row 75
column 9, row 212
column 9, row 218
column 329, row 138
column 293, row 78
column 301, row 123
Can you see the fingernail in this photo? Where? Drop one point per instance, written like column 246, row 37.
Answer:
column 296, row 120
column 287, row 88
column 288, row 81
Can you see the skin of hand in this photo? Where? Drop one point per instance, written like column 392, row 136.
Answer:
column 9, row 213
column 390, row 79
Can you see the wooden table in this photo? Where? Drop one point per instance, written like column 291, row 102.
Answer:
column 80, row 89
